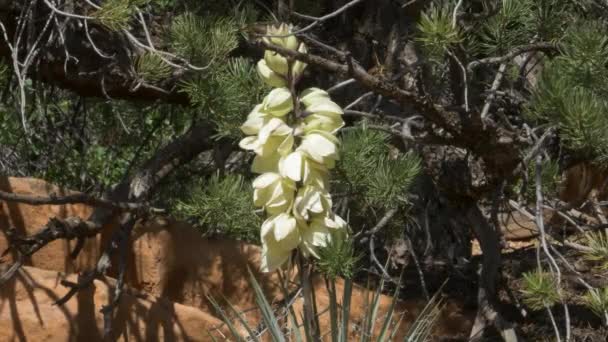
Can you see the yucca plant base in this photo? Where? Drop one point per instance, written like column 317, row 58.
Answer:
column 346, row 312
column 447, row 316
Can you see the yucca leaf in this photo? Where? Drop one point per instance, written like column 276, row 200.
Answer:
column 267, row 312
column 346, row 296
column 391, row 310
column 333, row 308
column 243, row 321
column 420, row 330
column 226, row 319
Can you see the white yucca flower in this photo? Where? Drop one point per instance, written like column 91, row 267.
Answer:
column 298, row 167
column 278, row 102
column 275, row 68
column 320, row 232
column 311, row 201
column 255, row 121
column 273, row 193
column 321, row 147
column 281, row 35
column 269, row 76
column 274, row 137
column 321, row 112
column 280, row 236
column 298, row 217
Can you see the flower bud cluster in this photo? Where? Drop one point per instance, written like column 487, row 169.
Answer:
column 294, row 140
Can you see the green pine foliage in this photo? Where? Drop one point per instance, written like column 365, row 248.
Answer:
column 506, row 29
column 571, row 92
column 539, row 290
column 337, row 259
column 222, row 205
column 203, row 40
column 436, row 30
column 369, row 171
column 116, row 14
column 151, row 68
column 550, row 178
column 598, row 242
column 597, row 301
column 226, row 97
column 392, row 178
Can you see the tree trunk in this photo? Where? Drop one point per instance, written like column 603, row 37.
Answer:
column 487, row 312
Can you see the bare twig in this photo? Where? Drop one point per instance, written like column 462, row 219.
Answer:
column 341, row 85
column 545, row 246
column 359, row 99
column 319, row 20
column 374, row 116
column 495, row 85
column 388, row 216
column 372, row 254
column 455, row 13
column 541, row 46
column 50, row 5
column 464, row 78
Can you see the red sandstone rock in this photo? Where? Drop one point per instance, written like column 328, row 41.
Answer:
column 27, row 313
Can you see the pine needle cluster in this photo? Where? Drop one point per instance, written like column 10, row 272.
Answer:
column 225, row 97
column 598, row 242
column 116, row 14
column 436, row 30
column 151, row 68
column 597, row 301
column 203, row 40
column 222, row 205
column 572, row 89
column 369, row 171
column 539, row 290
column 550, row 180
column 337, row 259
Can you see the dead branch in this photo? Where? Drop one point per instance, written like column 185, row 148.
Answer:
column 77, row 198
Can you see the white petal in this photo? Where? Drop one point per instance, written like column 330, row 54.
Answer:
column 322, row 122
column 321, row 147
column 286, row 146
column 265, row 163
column 318, row 235
column 249, row 143
column 340, row 223
column 276, row 62
column 255, row 121
column 312, row 95
column 267, row 228
column 325, row 106
column 278, row 102
column 284, row 226
column 266, row 180
column 270, row 77
column 291, row 166
column 273, row 259
column 268, row 129
column 299, row 66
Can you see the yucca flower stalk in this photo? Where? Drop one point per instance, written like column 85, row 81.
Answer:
column 293, row 136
